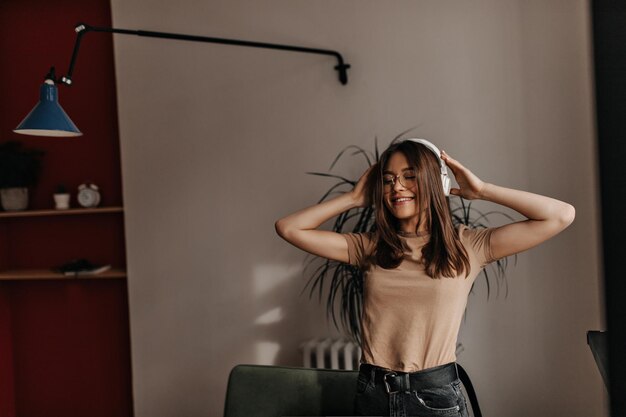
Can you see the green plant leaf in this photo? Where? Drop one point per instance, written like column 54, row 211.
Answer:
column 359, row 150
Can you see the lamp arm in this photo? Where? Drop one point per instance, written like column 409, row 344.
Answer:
column 82, row 29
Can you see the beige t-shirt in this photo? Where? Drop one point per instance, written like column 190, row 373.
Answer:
column 410, row 321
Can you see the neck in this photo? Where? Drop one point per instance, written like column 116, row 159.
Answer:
column 410, row 226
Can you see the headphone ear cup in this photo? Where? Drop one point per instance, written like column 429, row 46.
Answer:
column 445, row 180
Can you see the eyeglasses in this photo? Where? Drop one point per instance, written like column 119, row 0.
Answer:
column 407, row 179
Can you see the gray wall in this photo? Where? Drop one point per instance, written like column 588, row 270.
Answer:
column 216, row 141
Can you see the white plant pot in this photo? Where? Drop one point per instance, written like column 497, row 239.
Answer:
column 14, row 199
column 61, row 201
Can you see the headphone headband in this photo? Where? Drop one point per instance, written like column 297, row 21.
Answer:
column 445, row 180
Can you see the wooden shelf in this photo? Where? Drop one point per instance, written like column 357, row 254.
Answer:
column 67, row 212
column 48, row 274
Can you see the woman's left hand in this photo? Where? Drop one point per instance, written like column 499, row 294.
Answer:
column 471, row 186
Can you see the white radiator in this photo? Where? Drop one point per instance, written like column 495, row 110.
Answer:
column 330, row 354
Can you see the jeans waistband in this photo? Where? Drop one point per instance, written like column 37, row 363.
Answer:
column 395, row 381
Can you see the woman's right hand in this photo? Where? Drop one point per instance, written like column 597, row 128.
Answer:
column 300, row 228
column 361, row 194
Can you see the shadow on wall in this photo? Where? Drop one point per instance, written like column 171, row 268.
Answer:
column 277, row 319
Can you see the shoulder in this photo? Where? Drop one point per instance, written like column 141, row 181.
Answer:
column 360, row 246
column 477, row 241
column 471, row 234
column 364, row 239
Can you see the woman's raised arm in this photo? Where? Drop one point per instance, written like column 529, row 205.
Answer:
column 299, row 228
column 546, row 216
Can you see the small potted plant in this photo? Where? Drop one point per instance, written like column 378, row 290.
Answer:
column 19, row 169
column 61, row 197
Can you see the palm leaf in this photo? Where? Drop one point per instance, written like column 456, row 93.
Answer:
column 359, row 150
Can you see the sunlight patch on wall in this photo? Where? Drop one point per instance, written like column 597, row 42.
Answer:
column 265, row 278
column 266, row 353
column 273, row 316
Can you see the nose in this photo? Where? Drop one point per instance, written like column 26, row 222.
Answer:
column 397, row 183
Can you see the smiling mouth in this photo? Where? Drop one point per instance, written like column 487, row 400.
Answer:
column 401, row 201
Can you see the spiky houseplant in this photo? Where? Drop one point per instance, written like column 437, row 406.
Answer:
column 19, row 167
column 346, row 281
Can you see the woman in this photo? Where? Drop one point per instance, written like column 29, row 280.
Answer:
column 418, row 270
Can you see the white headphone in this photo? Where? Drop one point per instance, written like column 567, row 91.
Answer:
column 445, row 180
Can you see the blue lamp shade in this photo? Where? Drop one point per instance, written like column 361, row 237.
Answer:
column 48, row 118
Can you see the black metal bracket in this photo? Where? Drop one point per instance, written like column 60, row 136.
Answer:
column 82, row 29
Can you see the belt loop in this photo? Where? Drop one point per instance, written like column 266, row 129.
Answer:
column 387, row 386
column 373, row 375
column 456, row 368
column 407, row 384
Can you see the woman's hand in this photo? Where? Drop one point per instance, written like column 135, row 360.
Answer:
column 546, row 216
column 361, row 194
column 471, row 187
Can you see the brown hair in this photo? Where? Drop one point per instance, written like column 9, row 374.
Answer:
column 443, row 255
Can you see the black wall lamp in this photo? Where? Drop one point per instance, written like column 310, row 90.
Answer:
column 48, row 118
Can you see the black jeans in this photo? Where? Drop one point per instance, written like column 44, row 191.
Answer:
column 431, row 392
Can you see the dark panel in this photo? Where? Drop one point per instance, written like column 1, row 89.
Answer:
column 65, row 344
column 609, row 40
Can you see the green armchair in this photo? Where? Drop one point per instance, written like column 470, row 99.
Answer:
column 275, row 391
